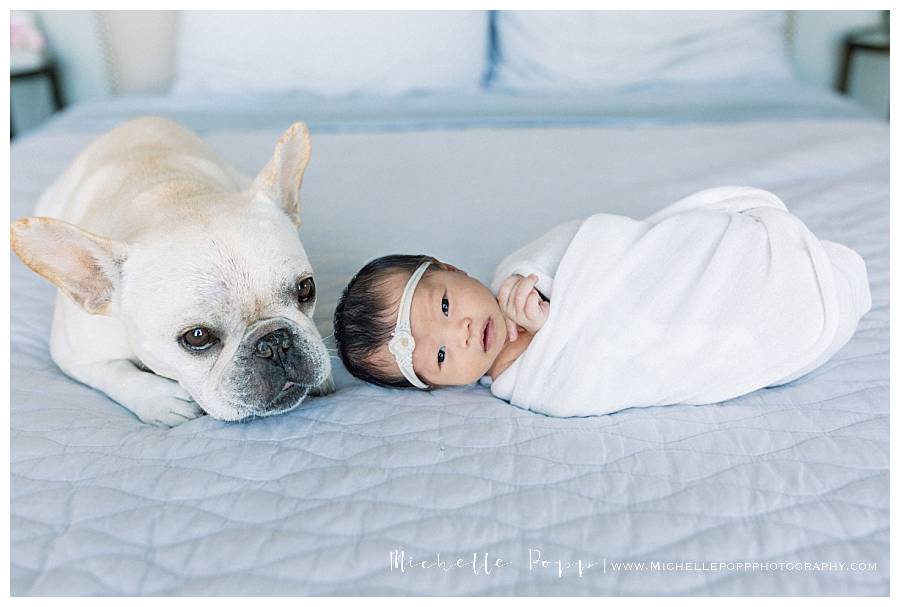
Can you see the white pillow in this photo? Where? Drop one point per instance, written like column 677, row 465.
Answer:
column 548, row 50
column 331, row 53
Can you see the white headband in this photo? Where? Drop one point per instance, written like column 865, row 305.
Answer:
column 402, row 343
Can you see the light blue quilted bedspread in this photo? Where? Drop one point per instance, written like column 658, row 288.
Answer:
column 780, row 481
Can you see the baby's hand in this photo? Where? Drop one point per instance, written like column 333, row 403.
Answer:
column 522, row 305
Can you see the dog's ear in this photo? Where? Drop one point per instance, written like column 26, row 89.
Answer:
column 280, row 179
column 86, row 267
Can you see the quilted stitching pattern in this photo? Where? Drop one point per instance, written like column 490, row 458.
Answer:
column 312, row 502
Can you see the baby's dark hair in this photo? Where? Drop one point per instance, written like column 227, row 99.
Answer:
column 362, row 324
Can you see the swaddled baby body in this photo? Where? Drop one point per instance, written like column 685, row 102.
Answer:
column 714, row 296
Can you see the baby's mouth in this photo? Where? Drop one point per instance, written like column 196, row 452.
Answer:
column 487, row 334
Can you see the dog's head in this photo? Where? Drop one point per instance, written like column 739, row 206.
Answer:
column 218, row 297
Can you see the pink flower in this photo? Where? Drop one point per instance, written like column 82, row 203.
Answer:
column 23, row 35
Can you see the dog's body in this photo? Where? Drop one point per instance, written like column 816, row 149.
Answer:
column 184, row 287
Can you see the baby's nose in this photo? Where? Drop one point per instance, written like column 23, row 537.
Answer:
column 467, row 331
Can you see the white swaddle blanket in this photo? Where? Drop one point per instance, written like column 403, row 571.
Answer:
column 717, row 295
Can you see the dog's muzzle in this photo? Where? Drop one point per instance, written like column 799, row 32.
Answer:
column 280, row 364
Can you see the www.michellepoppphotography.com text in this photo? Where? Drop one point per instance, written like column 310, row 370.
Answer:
column 485, row 563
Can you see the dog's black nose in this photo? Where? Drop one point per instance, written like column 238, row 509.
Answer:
column 273, row 345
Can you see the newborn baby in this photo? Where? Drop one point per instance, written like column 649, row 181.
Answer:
column 714, row 296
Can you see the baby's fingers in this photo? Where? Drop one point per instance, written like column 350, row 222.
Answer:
column 523, row 290
column 545, row 309
column 512, row 329
column 509, row 304
column 532, row 306
column 505, row 289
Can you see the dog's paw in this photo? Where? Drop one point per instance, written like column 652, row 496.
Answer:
column 167, row 406
column 323, row 389
column 170, row 412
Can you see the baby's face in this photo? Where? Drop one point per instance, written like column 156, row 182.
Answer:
column 458, row 327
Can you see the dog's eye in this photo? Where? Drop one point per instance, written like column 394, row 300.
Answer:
column 198, row 338
column 306, row 290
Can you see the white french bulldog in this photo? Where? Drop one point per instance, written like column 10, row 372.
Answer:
column 183, row 285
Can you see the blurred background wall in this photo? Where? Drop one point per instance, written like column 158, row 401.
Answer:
column 101, row 54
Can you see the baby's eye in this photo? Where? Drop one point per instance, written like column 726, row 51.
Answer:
column 442, row 354
column 445, row 305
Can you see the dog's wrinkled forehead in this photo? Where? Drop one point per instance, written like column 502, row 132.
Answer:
column 250, row 274
column 238, row 280
column 243, row 266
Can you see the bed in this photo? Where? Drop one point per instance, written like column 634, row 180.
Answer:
column 372, row 491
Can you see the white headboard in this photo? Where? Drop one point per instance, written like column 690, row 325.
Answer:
column 112, row 52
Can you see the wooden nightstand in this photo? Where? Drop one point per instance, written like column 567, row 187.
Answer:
column 856, row 45
column 46, row 70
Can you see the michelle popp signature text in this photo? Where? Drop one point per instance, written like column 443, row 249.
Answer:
column 483, row 563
